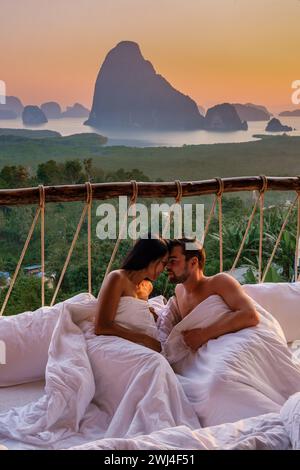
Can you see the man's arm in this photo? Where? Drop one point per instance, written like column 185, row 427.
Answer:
column 243, row 315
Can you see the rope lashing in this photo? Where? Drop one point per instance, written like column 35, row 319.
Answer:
column 261, row 223
column 279, row 236
column 170, row 215
column 42, row 207
column 178, row 198
column 245, row 234
column 179, row 191
column 132, row 207
column 297, row 257
column 220, row 217
column 82, row 217
column 212, row 210
column 89, row 200
column 12, row 282
column 211, row 213
column 122, row 227
column 40, row 211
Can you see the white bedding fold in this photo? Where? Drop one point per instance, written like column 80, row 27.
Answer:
column 238, row 375
column 98, row 386
column 273, row 431
column 108, row 393
column 259, row 433
column 69, row 389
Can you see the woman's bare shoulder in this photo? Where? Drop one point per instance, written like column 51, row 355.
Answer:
column 115, row 281
column 117, row 275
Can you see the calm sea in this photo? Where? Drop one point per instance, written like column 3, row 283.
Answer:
column 68, row 126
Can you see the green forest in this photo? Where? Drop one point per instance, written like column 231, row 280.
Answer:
column 270, row 155
column 61, row 220
column 29, row 158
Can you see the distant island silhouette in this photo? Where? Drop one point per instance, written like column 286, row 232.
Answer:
column 33, row 115
column 275, row 126
column 14, row 109
column 224, row 117
column 252, row 112
column 130, row 94
column 295, row 112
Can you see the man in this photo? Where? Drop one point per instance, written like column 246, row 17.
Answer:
column 185, row 268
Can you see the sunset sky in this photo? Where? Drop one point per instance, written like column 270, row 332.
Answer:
column 212, row 50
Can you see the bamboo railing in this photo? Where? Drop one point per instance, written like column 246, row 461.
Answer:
column 77, row 192
column 89, row 192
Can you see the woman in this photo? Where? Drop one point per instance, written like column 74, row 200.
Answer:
column 137, row 390
column 104, row 386
column 122, row 303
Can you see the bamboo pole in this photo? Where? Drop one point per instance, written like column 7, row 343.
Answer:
column 68, row 193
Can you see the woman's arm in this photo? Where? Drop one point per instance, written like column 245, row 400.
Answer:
column 108, row 301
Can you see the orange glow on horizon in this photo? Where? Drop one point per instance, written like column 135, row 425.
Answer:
column 212, row 50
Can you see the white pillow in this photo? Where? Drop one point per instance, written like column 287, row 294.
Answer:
column 282, row 300
column 26, row 338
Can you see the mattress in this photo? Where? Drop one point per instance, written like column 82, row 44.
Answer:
column 19, row 395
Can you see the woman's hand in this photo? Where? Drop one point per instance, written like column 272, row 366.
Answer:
column 144, row 289
column 151, row 343
column 152, row 310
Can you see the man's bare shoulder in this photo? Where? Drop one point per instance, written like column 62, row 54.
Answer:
column 178, row 289
column 221, row 281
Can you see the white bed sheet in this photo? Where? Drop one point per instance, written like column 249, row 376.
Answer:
column 270, row 430
column 20, row 395
column 262, row 432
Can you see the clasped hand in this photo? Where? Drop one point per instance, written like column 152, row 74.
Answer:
column 195, row 338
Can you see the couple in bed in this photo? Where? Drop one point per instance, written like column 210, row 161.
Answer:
column 184, row 260
column 228, row 353
column 212, row 357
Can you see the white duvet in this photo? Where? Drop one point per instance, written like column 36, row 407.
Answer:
column 97, row 386
column 106, row 392
column 273, row 431
column 236, row 376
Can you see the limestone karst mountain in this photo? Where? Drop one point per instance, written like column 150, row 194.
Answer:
column 129, row 94
column 33, row 115
column 12, row 109
column 224, row 117
column 252, row 112
column 274, row 125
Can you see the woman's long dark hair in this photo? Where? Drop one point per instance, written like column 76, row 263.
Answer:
column 144, row 251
